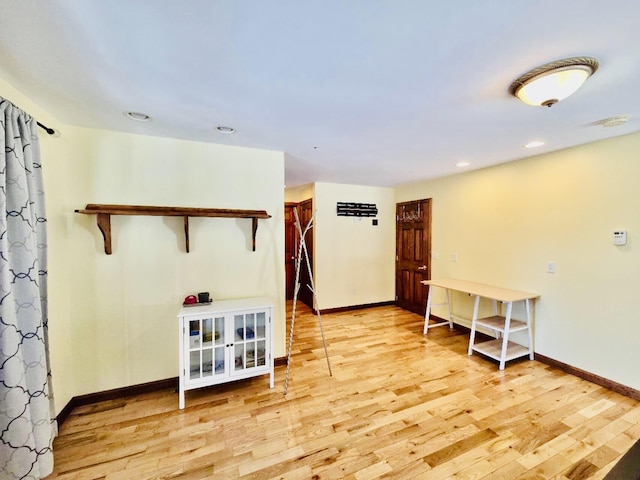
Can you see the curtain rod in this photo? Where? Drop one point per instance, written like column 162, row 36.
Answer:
column 50, row 131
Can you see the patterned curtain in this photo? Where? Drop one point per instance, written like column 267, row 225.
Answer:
column 27, row 426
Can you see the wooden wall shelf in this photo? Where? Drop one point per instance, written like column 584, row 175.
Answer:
column 103, row 217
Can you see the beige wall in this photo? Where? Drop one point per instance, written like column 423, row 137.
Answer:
column 353, row 260
column 299, row 194
column 112, row 318
column 506, row 222
column 135, row 293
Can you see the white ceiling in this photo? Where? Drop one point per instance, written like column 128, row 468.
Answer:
column 368, row 92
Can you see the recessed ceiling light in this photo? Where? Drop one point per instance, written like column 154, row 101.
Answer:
column 140, row 117
column 463, row 164
column 534, row 144
column 225, row 130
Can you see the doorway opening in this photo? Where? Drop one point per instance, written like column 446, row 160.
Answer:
column 291, row 245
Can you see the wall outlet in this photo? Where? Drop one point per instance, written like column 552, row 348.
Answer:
column 434, row 255
column 454, row 257
column 551, row 267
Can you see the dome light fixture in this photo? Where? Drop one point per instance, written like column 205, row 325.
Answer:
column 549, row 83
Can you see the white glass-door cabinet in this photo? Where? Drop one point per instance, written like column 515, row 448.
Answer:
column 223, row 341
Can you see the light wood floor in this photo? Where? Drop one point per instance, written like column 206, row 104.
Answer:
column 399, row 405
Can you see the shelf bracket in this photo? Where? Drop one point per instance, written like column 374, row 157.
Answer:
column 254, row 229
column 104, row 224
column 186, row 233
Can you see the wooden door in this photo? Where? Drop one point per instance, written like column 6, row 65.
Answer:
column 305, row 211
column 413, row 254
column 290, row 248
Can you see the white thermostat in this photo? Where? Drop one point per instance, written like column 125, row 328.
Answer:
column 619, row 237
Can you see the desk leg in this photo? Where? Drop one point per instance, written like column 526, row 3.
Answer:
column 472, row 336
column 505, row 337
column 527, row 307
column 427, row 311
column 449, row 308
column 495, row 312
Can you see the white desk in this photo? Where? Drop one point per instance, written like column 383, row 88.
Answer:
column 500, row 349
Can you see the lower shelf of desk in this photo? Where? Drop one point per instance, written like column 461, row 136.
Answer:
column 497, row 323
column 493, row 349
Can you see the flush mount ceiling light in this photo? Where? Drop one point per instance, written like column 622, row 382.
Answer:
column 140, row 117
column 552, row 82
column 534, row 144
column 225, row 130
column 463, row 164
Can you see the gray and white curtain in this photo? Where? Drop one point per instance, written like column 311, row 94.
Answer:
column 27, row 426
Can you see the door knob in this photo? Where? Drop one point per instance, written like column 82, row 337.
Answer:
column 423, row 267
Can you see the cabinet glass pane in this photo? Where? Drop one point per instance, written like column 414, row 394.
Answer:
column 207, row 332
column 261, row 353
column 207, row 362
column 194, row 333
column 219, row 360
column 238, row 322
column 260, row 325
column 238, row 357
column 250, row 326
column 194, row 364
column 251, row 354
column 219, row 331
